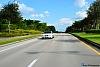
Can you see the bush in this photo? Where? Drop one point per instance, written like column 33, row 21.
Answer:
column 19, row 32
column 11, row 34
column 93, row 31
column 32, row 32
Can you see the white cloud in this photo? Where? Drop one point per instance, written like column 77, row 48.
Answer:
column 81, row 3
column 46, row 12
column 51, row 24
column 84, row 5
column 62, row 23
column 81, row 14
column 66, row 21
column 0, row 6
column 26, row 10
column 41, row 15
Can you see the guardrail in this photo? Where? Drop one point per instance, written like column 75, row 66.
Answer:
column 88, row 41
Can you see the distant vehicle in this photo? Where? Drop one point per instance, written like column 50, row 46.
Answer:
column 48, row 34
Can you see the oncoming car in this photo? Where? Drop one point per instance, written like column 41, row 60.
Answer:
column 48, row 34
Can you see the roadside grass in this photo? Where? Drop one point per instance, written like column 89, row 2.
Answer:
column 92, row 37
column 19, row 32
column 18, row 39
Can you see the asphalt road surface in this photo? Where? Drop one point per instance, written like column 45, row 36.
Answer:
column 63, row 51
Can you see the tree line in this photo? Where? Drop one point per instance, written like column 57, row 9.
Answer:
column 11, row 19
column 91, row 22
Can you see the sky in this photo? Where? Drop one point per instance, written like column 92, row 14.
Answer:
column 60, row 13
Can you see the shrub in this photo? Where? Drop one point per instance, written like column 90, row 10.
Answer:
column 32, row 32
column 93, row 31
column 10, row 34
column 19, row 32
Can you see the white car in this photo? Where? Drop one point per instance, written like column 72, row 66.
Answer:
column 48, row 35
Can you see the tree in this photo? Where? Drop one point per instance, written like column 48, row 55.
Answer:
column 92, row 21
column 42, row 26
column 34, row 24
column 69, row 29
column 94, row 14
column 11, row 14
column 31, row 24
column 51, row 28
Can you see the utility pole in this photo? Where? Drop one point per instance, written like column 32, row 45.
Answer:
column 9, row 26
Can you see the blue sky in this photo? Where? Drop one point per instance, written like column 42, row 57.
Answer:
column 60, row 13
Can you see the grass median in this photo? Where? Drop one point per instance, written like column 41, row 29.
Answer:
column 18, row 39
column 92, row 37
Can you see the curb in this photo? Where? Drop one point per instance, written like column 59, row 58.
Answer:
column 88, row 41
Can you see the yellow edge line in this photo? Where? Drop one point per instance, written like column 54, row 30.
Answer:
column 98, row 53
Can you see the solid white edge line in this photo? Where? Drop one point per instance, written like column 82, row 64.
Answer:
column 32, row 63
column 13, row 47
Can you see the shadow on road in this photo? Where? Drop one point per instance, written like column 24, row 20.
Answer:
column 56, row 52
column 44, row 38
column 62, row 35
column 67, row 41
column 61, row 52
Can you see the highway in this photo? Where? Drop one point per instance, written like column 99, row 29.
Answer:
column 63, row 51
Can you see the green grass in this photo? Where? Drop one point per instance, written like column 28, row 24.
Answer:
column 92, row 37
column 17, row 39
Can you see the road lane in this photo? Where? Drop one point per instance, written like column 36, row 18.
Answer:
column 62, row 51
